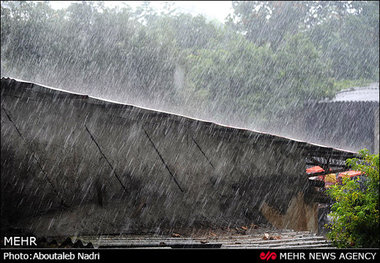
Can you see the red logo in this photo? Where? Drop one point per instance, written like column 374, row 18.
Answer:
column 268, row 255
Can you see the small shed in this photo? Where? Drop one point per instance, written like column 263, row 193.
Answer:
column 349, row 121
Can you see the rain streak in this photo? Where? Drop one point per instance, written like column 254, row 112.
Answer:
column 143, row 124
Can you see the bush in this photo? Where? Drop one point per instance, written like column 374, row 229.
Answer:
column 355, row 212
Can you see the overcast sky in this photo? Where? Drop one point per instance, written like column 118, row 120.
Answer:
column 210, row 9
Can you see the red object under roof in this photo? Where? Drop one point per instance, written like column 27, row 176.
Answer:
column 314, row 170
column 350, row 173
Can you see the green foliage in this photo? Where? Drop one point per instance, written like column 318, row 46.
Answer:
column 351, row 41
column 86, row 45
column 355, row 213
column 346, row 32
column 244, row 79
column 268, row 21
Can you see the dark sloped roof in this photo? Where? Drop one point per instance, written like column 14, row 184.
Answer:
column 31, row 89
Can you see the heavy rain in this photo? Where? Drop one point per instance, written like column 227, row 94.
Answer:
column 183, row 124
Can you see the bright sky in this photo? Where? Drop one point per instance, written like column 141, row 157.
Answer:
column 210, row 9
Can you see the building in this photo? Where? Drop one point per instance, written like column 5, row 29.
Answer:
column 348, row 121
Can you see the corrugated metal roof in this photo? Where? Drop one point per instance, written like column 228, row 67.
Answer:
column 252, row 238
column 256, row 238
column 356, row 94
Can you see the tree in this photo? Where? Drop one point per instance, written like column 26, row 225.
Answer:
column 351, row 41
column 250, row 83
column 232, row 78
column 266, row 22
column 85, row 46
column 345, row 31
column 355, row 213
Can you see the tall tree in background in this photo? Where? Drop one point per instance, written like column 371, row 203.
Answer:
column 351, row 40
column 265, row 22
column 346, row 32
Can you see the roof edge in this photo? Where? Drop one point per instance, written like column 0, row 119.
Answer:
column 241, row 129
